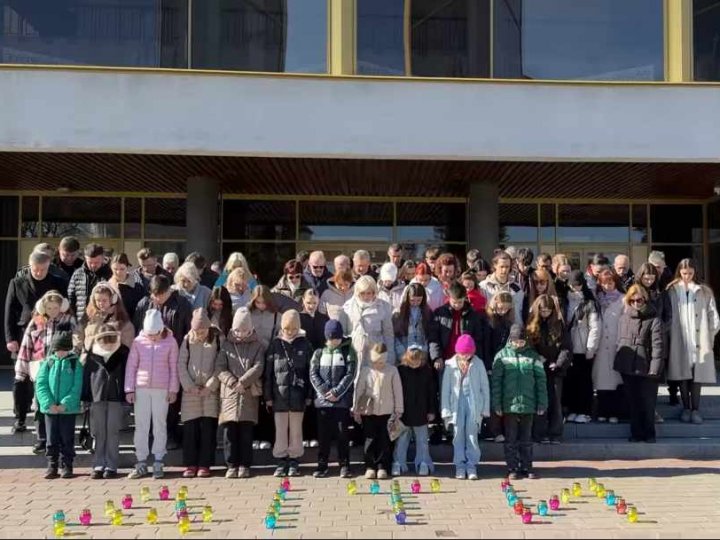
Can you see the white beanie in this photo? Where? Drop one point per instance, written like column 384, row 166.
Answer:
column 388, row 272
column 153, row 323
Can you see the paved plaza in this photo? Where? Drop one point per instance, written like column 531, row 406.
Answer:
column 675, row 499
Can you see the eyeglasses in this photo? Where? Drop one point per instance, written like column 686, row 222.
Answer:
column 638, row 301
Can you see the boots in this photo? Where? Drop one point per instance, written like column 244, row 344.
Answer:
column 52, row 471
column 67, row 472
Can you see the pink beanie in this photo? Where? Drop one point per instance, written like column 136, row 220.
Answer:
column 465, row 345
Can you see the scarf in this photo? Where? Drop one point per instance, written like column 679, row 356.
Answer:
column 104, row 353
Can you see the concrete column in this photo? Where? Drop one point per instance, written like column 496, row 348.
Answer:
column 484, row 218
column 203, row 227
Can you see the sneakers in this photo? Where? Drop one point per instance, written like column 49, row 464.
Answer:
column 158, row 470
column 109, row 475
column 39, row 448
column 264, row 445
column 97, row 474
column 582, row 419
column 613, row 420
column 18, row 427
column 512, row 475
column 695, row 418
column 294, row 469
column 281, row 470
column 382, row 474
column 190, row 472
column 139, row 471
column 232, row 472
column 658, row 419
column 314, row 443
column 204, row 472
column 500, row 438
column 472, row 475
column 396, row 469
column 345, row 472
column 602, row 419
column 243, row 472
column 460, row 474
column 256, row 445
column 51, row 472
column 572, row 417
column 424, row 470
column 370, row 474
column 545, row 440
column 531, row 475
column 67, row 472
column 555, row 440
column 685, row 416
column 321, row 473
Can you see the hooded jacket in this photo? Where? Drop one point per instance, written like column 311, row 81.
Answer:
column 59, row 382
column 35, row 344
column 333, row 370
column 491, row 286
column 319, row 284
column 368, row 325
column 393, row 295
column 287, row 374
column 284, row 287
column 104, row 378
column 519, row 385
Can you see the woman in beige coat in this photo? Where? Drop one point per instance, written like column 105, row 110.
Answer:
column 240, row 366
column 695, row 323
column 200, row 403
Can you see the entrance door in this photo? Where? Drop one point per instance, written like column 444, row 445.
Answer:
column 580, row 256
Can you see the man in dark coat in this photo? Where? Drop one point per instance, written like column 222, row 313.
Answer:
column 316, row 273
column 23, row 292
column 86, row 277
column 148, row 268
column 68, row 256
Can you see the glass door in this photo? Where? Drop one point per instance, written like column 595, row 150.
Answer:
column 581, row 256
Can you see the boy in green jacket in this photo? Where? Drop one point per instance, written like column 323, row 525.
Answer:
column 57, row 388
column 518, row 392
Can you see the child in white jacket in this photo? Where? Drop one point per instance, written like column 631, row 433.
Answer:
column 465, row 402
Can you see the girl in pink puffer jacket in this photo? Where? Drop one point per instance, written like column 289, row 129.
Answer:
column 152, row 384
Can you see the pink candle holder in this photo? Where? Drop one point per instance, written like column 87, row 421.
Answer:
column 86, row 517
column 415, row 487
column 127, row 502
column 164, row 493
column 554, row 503
column 527, row 516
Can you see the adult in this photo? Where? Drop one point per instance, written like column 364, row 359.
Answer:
column 598, row 262
column 187, row 283
column 312, row 321
column 431, row 256
column 148, row 268
column 639, row 359
column 216, row 267
column 302, row 256
column 68, row 256
column 482, row 269
column 170, row 263
column 176, row 311
column 411, row 322
column 544, row 262
column 126, row 283
column 23, row 293
column 523, row 263
column 621, row 264
column 104, row 307
column 369, row 321
column 208, row 277
column 83, row 281
column 433, row 288
column 339, row 291
column 292, row 283
column 390, row 288
column 540, row 282
column 447, row 270
column 237, row 260
column 220, row 310
column 342, row 263
column 472, row 257
column 407, row 272
column 695, row 323
column 361, row 265
column 316, row 273
column 657, row 259
column 237, row 286
column 562, row 269
column 499, row 281
column 395, row 255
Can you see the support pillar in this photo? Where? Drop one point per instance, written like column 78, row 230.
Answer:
column 203, row 226
column 678, row 41
column 484, row 218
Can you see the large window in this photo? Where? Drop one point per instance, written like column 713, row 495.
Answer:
column 81, row 217
column 519, row 224
column 594, row 223
column 706, row 39
column 348, row 221
column 259, row 220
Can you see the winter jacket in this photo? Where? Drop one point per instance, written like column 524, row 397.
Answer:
column 314, row 327
column 695, row 323
column 196, row 368
column 144, row 280
column 584, row 323
column 208, row 278
column 131, row 291
column 176, row 314
column 35, row 345
column 81, row 284
column 59, row 382
column 477, row 301
column 441, row 329
column 332, row 302
column 419, row 394
column 640, row 346
column 627, row 280
column 491, row 286
column 244, row 362
column 551, row 351
column 381, row 397
column 266, row 324
column 86, row 333
column 68, row 269
column 152, row 365
column 434, row 292
column 604, row 375
column 367, row 326
column 198, row 297
column 334, row 370
column 287, row 374
column 392, row 296
column 451, row 388
column 22, row 295
column 283, row 287
column 519, row 385
column 415, row 332
column 104, row 380
column 319, row 284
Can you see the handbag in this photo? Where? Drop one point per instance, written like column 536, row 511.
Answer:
column 396, row 427
column 85, row 439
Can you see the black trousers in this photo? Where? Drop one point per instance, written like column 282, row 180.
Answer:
column 610, row 403
column 237, row 443
column 310, row 424
column 23, row 393
column 265, row 428
column 641, row 395
column 199, row 442
column 518, row 441
column 333, row 423
column 551, row 424
column 578, row 396
column 60, row 449
column 173, row 419
column 378, row 447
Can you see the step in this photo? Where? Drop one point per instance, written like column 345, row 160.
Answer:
column 669, row 429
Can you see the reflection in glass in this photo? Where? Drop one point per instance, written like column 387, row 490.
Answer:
column 9, row 214
column 138, row 33
column 675, row 254
column 266, row 260
column 165, row 218
column 518, row 224
column 639, row 232
column 81, row 216
column 9, row 258
column 133, row 217
column 430, row 222
column 30, row 227
column 569, row 39
column 547, row 224
column 345, row 221
column 260, row 35
column 607, row 223
column 259, row 220
column 160, row 248
column 714, row 222
column 706, row 40
column 676, row 223
column 380, row 37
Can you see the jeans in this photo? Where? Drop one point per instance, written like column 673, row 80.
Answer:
column 518, row 442
column 22, row 393
column 422, row 448
column 466, row 446
column 237, row 443
column 61, row 439
column 333, row 422
column 200, row 442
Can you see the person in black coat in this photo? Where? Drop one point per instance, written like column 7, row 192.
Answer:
column 22, row 294
column 68, row 256
column 83, row 281
column 316, row 274
column 207, row 276
column 639, row 359
column 103, row 388
column 312, row 321
column 288, row 391
column 126, row 284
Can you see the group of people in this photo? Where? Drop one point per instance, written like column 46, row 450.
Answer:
column 381, row 356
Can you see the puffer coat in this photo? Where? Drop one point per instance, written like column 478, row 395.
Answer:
column 242, row 361
column 196, row 368
column 640, row 347
column 287, row 374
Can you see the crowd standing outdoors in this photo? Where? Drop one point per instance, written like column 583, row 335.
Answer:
column 506, row 349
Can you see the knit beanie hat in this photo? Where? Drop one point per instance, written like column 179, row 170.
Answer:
column 200, row 320
column 333, row 330
column 517, row 332
column 388, row 272
column 576, row 278
column 62, row 341
column 465, row 345
column 242, row 322
column 153, row 323
column 290, row 319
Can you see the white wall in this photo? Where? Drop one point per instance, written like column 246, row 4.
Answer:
column 58, row 110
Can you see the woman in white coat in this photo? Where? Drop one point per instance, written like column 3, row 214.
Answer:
column 369, row 321
column 605, row 379
column 695, row 323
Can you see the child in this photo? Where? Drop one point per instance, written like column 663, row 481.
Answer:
column 288, row 390
column 465, row 402
column 420, row 402
column 200, row 403
column 332, row 372
column 58, row 389
column 518, row 393
column 104, row 388
column 475, row 296
column 501, row 316
column 378, row 403
column 151, row 383
column 240, row 366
